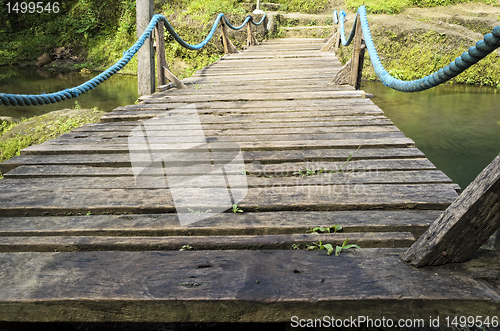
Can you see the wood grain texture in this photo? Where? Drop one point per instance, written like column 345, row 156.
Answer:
column 472, row 218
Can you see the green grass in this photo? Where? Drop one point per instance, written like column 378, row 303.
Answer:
column 16, row 136
column 310, row 6
column 397, row 6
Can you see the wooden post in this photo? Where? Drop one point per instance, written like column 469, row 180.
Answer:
column 351, row 72
column 467, row 223
column 258, row 5
column 161, row 62
column 337, row 40
column 228, row 45
column 251, row 41
column 358, row 55
column 145, row 56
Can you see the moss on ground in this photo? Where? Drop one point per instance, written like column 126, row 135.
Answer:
column 16, row 136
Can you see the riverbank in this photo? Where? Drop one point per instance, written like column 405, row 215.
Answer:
column 15, row 136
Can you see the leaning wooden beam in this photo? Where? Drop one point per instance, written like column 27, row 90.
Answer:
column 228, row 45
column 464, row 226
column 351, row 73
column 329, row 44
column 171, row 77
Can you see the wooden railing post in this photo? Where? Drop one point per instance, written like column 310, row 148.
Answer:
column 251, row 41
column 330, row 40
column 351, row 73
column 467, row 223
column 228, row 45
column 145, row 56
column 337, row 39
column 160, row 52
column 358, row 55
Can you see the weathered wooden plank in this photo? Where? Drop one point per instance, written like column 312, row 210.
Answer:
column 79, row 138
column 224, row 286
column 115, row 131
column 49, row 148
column 67, row 165
column 23, row 201
column 259, row 96
column 465, row 225
column 279, row 222
column 333, row 104
column 129, row 182
column 228, row 242
column 267, row 157
column 119, row 126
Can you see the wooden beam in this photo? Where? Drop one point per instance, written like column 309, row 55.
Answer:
column 146, row 55
column 171, row 77
column 358, row 55
column 160, row 52
column 251, row 41
column 228, row 45
column 464, row 226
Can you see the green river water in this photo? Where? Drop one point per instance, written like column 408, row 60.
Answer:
column 456, row 126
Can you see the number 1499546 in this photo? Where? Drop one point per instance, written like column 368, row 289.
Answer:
column 32, row 7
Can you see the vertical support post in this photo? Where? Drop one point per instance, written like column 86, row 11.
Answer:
column 258, row 5
column 358, row 55
column 161, row 62
column 228, row 45
column 337, row 40
column 145, row 56
column 251, row 41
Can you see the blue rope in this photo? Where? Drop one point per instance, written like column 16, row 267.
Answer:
column 43, row 99
column 490, row 42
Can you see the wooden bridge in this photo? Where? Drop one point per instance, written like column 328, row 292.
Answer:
column 81, row 240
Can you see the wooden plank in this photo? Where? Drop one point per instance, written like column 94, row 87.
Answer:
column 125, row 182
column 23, row 201
column 122, row 160
column 49, row 148
column 224, row 286
column 68, row 165
column 107, row 138
column 260, row 96
column 144, row 243
column 279, row 222
column 465, row 225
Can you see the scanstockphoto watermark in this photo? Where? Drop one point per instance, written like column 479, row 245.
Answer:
column 356, row 322
column 171, row 151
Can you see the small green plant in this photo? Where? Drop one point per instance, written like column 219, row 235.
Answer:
column 186, row 248
column 351, row 154
column 88, row 213
column 321, row 229
column 236, row 209
column 339, row 249
column 304, row 172
column 328, row 247
column 77, row 106
column 295, row 246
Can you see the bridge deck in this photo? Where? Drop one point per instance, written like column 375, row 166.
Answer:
column 80, row 235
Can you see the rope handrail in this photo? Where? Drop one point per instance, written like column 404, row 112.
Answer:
column 482, row 48
column 46, row 98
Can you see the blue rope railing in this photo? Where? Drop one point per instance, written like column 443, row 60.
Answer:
column 475, row 53
column 46, row 98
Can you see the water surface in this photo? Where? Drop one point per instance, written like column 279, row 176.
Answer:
column 119, row 90
column 456, row 126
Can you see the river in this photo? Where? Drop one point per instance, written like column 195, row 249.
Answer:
column 456, row 126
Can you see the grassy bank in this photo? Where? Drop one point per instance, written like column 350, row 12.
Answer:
column 16, row 136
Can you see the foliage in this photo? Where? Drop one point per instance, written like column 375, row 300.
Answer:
column 397, row 6
column 304, row 172
column 16, row 136
column 236, row 209
column 320, row 229
column 339, row 249
column 185, row 248
column 328, row 247
column 310, row 7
